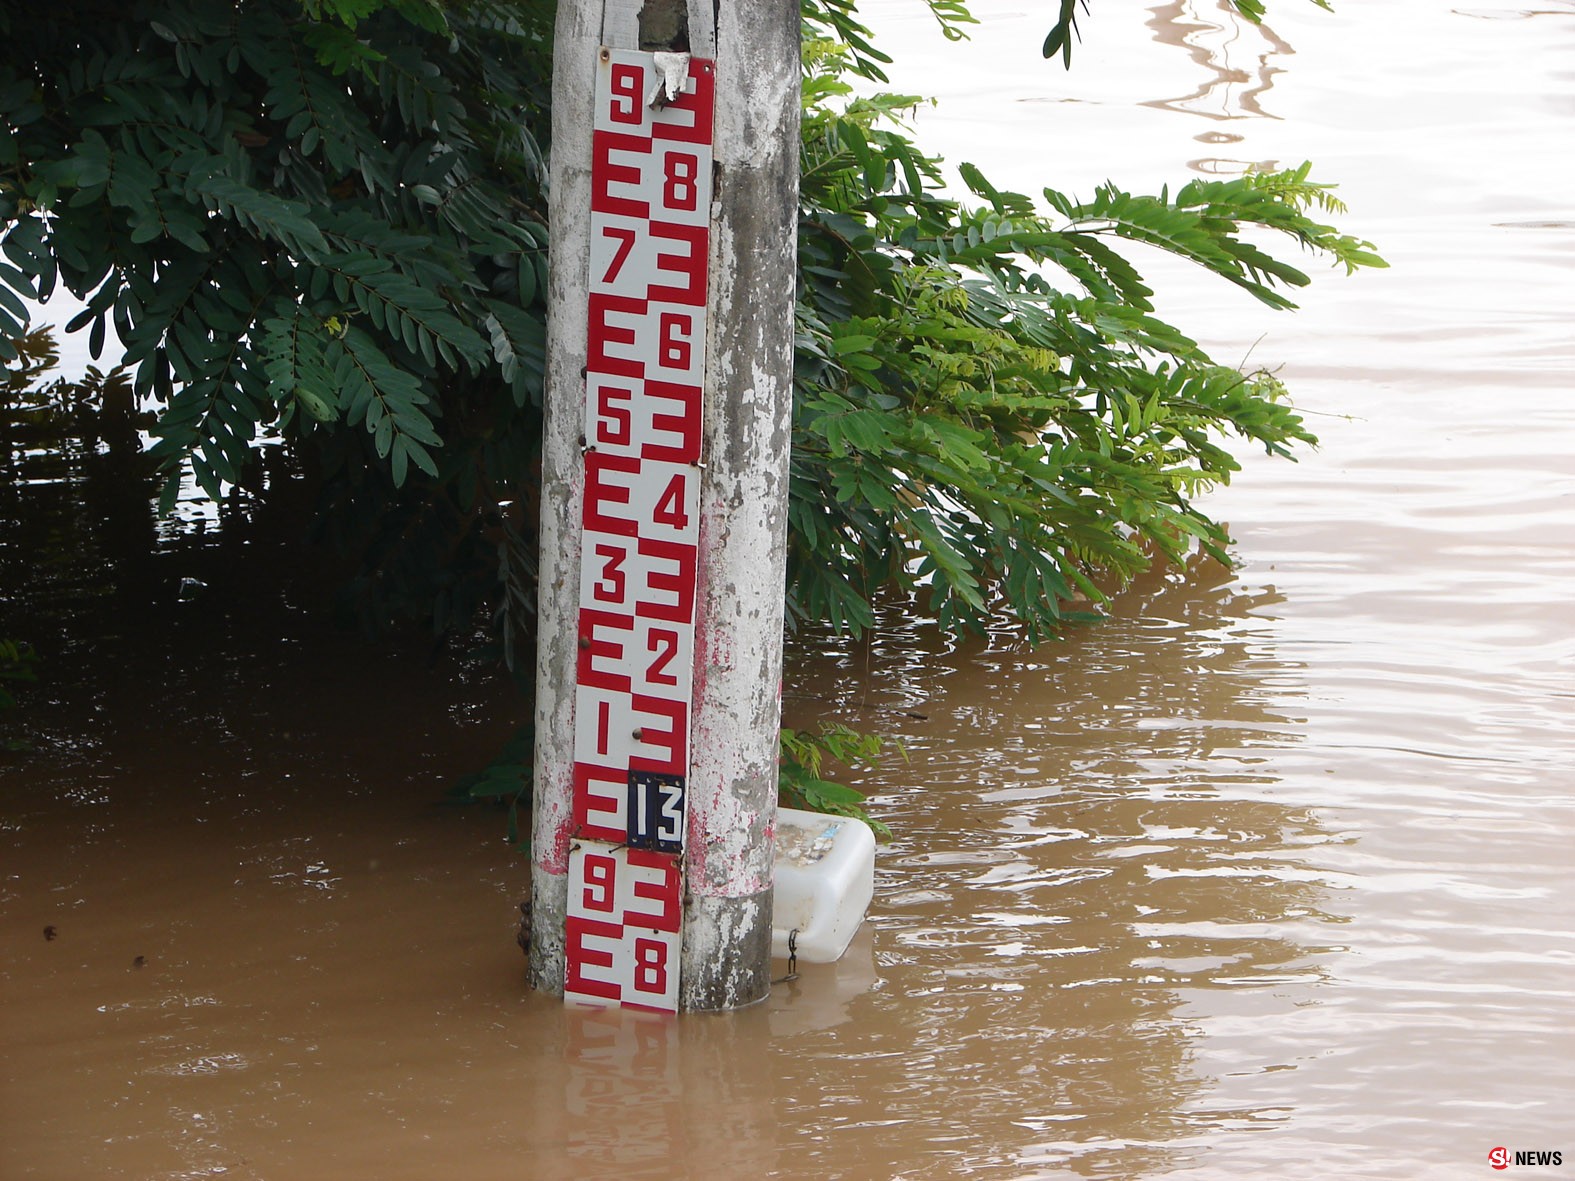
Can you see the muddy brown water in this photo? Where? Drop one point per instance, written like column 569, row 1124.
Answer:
column 1269, row 875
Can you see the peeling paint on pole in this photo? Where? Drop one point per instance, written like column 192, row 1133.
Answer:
column 605, row 654
column 738, row 674
column 577, row 36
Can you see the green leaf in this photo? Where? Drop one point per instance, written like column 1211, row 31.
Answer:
column 287, row 222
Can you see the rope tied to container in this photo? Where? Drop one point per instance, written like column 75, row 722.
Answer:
column 792, row 972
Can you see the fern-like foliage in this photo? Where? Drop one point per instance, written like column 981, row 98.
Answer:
column 988, row 408
column 309, row 220
column 205, row 174
column 320, row 222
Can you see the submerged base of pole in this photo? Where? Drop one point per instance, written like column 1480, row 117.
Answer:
column 549, row 898
column 726, row 952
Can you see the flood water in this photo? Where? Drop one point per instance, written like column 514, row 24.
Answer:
column 1267, row 876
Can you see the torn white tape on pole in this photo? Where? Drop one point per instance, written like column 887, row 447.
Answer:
column 650, row 247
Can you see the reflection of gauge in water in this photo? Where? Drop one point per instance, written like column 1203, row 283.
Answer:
column 1212, row 40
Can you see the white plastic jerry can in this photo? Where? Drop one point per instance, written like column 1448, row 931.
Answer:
column 825, row 877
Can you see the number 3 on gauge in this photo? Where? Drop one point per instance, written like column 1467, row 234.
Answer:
column 656, row 811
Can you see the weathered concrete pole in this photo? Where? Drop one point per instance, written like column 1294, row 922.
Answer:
column 719, row 774
column 743, row 527
column 577, row 37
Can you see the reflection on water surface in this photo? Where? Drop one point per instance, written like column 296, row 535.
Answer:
column 1221, row 42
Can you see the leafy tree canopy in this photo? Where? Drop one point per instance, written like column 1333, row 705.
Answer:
column 322, row 223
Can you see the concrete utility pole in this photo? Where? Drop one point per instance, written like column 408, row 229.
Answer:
column 664, row 499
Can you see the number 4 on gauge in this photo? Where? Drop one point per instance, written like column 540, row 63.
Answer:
column 656, row 811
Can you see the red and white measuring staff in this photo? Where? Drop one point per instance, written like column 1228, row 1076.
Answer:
column 644, row 377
